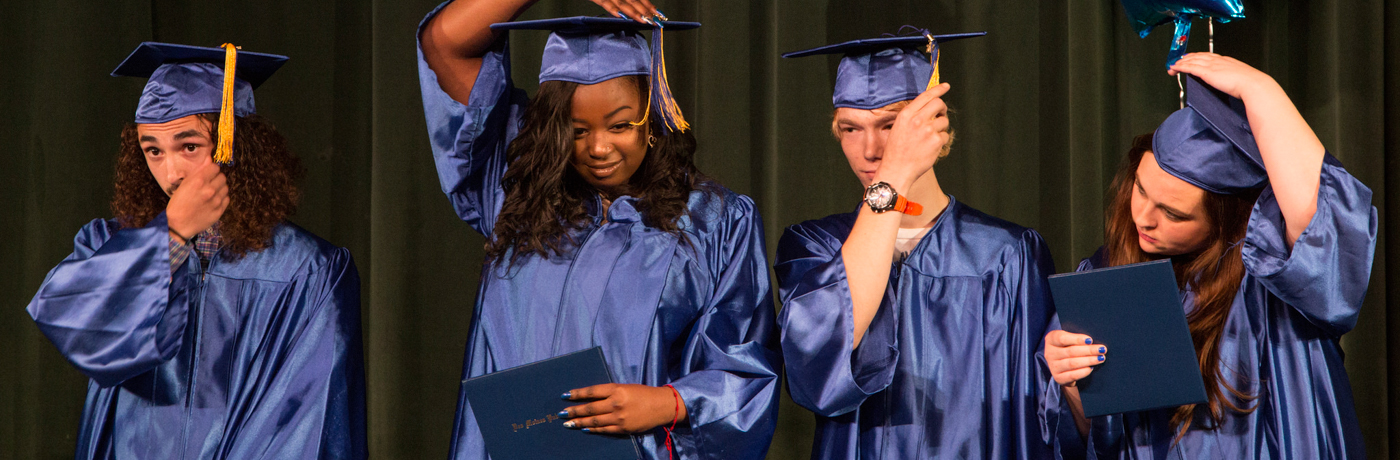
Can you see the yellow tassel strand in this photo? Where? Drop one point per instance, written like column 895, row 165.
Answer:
column 224, row 153
column 933, row 59
column 668, row 103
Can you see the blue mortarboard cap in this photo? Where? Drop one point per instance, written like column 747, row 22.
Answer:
column 589, row 50
column 186, row 80
column 1209, row 143
column 876, row 72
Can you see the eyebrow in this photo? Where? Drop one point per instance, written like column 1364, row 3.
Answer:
column 615, row 111
column 1170, row 210
column 182, row 135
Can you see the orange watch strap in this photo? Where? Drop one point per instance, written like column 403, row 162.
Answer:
column 907, row 207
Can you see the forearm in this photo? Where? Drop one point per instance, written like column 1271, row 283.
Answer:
column 454, row 40
column 1291, row 152
column 868, row 252
column 1071, row 395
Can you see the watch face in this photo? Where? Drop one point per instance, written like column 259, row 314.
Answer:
column 880, row 196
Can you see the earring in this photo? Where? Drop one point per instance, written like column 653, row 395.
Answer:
column 651, row 141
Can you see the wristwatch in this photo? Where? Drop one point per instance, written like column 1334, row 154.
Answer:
column 881, row 197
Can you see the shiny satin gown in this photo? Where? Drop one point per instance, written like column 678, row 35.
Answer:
column 696, row 314
column 255, row 358
column 946, row 368
column 1280, row 343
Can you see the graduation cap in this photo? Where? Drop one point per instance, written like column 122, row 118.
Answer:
column 1209, row 143
column 185, row 80
column 876, row 72
column 589, row 50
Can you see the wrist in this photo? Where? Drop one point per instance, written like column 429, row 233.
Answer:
column 177, row 237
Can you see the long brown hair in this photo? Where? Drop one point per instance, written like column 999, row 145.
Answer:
column 1214, row 273
column 262, row 184
column 544, row 197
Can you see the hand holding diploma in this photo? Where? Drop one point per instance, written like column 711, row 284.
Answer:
column 622, row 408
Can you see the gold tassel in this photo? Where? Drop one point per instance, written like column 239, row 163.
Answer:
column 224, row 153
column 668, row 103
column 933, row 59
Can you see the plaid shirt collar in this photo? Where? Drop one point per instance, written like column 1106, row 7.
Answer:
column 207, row 243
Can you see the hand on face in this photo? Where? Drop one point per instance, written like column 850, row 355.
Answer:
column 1224, row 73
column 622, row 408
column 636, row 10
column 1071, row 357
column 198, row 201
column 919, row 133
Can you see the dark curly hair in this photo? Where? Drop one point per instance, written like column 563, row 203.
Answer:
column 262, row 184
column 545, row 197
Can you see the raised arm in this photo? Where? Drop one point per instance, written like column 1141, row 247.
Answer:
column 455, row 40
column 1291, row 151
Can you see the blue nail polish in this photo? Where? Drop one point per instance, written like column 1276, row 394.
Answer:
column 566, row 395
column 661, row 15
column 1102, row 350
column 585, row 430
column 563, row 414
column 623, row 16
column 1100, row 358
column 1088, row 341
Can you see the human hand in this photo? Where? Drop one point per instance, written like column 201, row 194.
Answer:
column 1071, row 357
column 198, row 201
column 636, row 10
column 622, row 408
column 919, row 133
column 1224, row 73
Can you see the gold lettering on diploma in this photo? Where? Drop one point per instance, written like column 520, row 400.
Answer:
column 551, row 418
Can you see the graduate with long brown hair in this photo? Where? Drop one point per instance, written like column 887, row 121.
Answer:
column 1272, row 243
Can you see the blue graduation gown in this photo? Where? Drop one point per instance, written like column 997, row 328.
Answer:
column 257, row 358
column 696, row 314
column 1280, row 343
column 946, row 368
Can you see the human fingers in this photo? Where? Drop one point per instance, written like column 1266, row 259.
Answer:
column 588, row 410
column 592, row 392
column 928, row 96
column 1060, row 338
column 1071, row 377
column 596, row 421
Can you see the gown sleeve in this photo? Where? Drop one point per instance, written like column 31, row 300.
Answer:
column 469, row 140
column 112, row 307
column 1027, row 311
column 729, row 381
column 1325, row 274
column 825, row 375
column 1057, row 426
column 308, row 399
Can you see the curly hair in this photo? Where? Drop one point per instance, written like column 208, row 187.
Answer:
column 544, row 197
column 262, row 184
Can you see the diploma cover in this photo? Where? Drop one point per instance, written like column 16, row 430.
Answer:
column 1136, row 311
column 518, row 410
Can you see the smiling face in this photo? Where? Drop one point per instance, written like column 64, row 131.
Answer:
column 174, row 148
column 608, row 148
column 1169, row 213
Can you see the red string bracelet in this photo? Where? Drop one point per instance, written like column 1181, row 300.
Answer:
column 670, row 448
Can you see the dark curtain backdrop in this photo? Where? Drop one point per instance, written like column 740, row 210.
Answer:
column 1045, row 106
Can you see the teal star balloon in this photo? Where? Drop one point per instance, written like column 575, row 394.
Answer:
column 1144, row 15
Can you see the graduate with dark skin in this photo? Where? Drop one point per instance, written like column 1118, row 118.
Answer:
column 609, row 146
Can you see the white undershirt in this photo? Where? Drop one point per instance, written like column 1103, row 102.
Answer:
column 908, row 238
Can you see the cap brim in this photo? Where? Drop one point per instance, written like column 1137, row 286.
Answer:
column 254, row 68
column 589, row 24
column 870, row 45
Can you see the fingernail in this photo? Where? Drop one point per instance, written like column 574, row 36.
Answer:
column 661, row 15
column 1088, row 341
column 623, row 16
column 566, row 395
column 564, row 414
column 585, row 430
column 569, row 424
column 1103, row 350
column 1100, row 358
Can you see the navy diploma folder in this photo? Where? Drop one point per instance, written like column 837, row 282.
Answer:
column 517, row 410
column 1135, row 311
